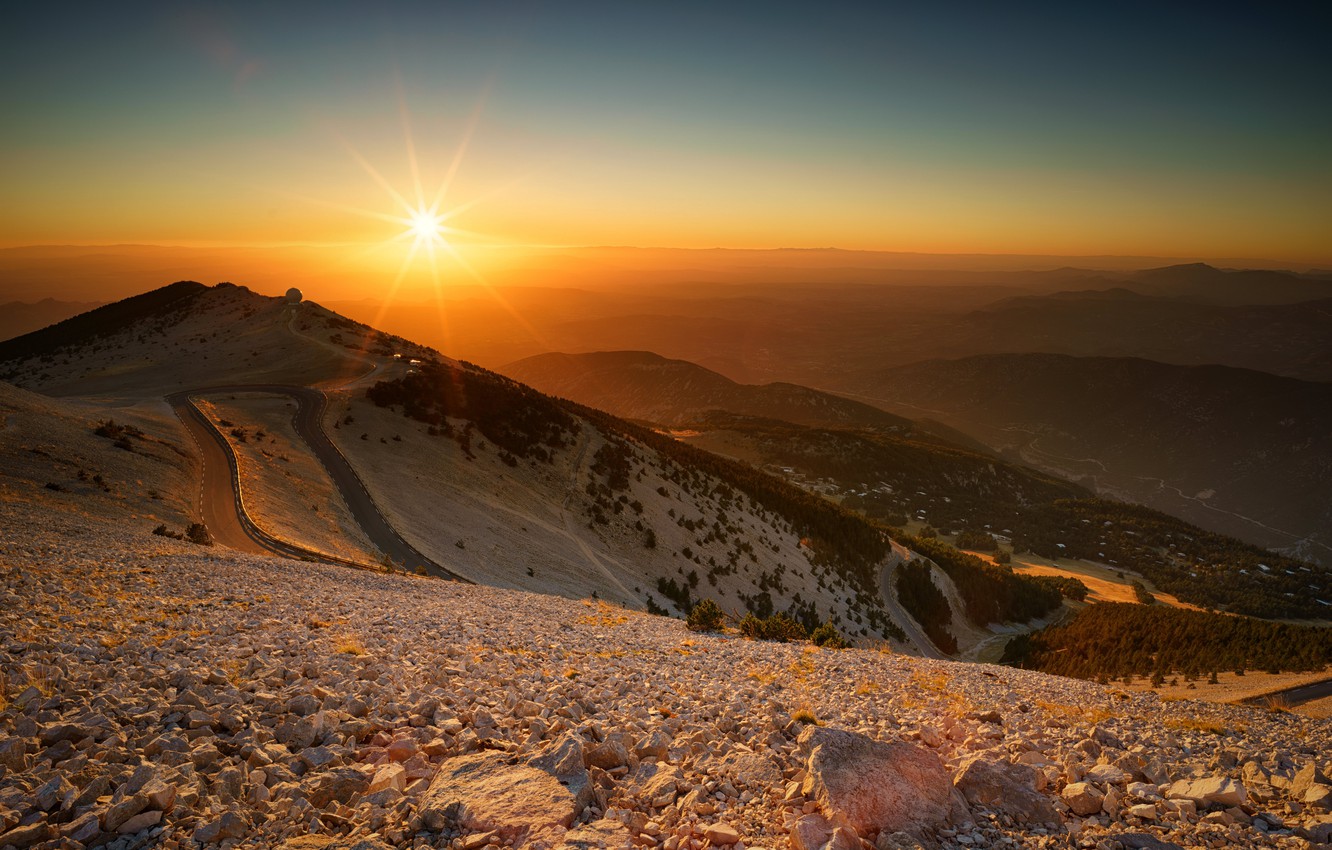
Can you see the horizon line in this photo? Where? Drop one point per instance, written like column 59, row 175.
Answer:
column 1169, row 259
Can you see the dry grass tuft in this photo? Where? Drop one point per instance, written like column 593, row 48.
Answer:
column 806, row 716
column 606, row 615
column 762, row 675
column 1080, row 712
column 349, row 644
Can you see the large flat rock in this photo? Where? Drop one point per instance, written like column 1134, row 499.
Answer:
column 523, row 801
column 876, row 786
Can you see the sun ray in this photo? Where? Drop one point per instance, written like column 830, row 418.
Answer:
column 473, row 120
column 374, row 174
column 412, row 163
column 495, row 294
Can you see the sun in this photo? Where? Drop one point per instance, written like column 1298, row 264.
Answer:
column 427, row 226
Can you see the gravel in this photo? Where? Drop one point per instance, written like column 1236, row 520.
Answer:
column 162, row 694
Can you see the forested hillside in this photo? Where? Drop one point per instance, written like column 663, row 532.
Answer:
column 1118, row 639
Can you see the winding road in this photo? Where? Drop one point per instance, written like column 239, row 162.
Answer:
column 222, row 503
column 1297, row 695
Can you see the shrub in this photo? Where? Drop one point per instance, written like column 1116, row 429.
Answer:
column 163, row 531
column 778, row 627
column 828, row 637
column 198, row 533
column 751, row 627
column 977, row 540
column 706, row 616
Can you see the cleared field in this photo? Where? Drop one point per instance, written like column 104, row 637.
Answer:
column 1104, row 583
column 1231, row 688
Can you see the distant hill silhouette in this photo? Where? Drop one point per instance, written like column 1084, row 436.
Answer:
column 19, row 317
column 647, row 386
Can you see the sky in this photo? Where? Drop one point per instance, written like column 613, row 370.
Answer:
column 1070, row 129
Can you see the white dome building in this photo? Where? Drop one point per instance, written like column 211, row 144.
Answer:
column 293, row 296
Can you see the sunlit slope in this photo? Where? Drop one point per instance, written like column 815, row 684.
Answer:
column 509, row 487
column 188, row 335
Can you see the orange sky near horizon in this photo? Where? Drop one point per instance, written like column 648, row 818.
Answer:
column 228, row 125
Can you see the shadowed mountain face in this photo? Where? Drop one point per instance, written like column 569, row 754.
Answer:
column 908, row 475
column 1237, row 451
column 646, row 386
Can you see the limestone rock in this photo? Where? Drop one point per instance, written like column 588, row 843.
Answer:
column 721, row 834
column 140, row 822
column 897, row 841
column 324, row 842
column 338, row 785
column 390, row 776
column 605, row 833
column 1318, row 797
column 810, row 832
column 229, row 825
column 1211, row 790
column 1307, row 777
column 1004, row 787
column 608, row 755
column 26, row 836
column 518, row 801
column 875, row 786
column 1107, row 774
column 1082, row 798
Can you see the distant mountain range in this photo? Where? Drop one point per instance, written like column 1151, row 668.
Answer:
column 18, row 318
column 647, row 386
column 1285, row 339
column 1234, row 450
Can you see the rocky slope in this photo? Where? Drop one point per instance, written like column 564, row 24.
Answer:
column 160, row 694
